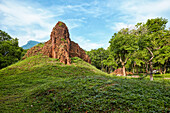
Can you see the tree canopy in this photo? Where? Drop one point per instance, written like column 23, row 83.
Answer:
column 143, row 48
column 10, row 52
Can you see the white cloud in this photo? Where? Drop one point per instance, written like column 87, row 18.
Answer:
column 86, row 43
column 140, row 11
column 132, row 12
column 119, row 26
column 20, row 14
column 146, row 6
column 20, row 17
column 31, row 22
column 74, row 23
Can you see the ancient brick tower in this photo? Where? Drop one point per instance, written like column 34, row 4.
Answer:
column 60, row 43
column 60, row 46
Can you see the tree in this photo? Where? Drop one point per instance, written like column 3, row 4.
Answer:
column 10, row 52
column 4, row 36
column 97, row 56
column 162, row 55
column 122, row 45
column 149, row 37
column 110, row 63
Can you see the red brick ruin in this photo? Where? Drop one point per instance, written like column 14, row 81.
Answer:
column 60, row 46
column 119, row 72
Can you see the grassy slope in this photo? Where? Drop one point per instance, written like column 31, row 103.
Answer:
column 41, row 84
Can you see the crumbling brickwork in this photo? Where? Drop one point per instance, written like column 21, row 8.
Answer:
column 60, row 46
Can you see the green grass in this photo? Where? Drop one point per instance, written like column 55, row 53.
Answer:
column 62, row 39
column 60, row 24
column 162, row 76
column 42, row 84
column 40, row 45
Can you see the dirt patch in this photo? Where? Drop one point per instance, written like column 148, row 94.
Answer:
column 110, row 84
column 133, row 76
column 166, row 78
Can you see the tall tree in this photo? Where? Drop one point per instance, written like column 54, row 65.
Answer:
column 162, row 55
column 148, row 35
column 10, row 52
column 110, row 63
column 97, row 56
column 122, row 45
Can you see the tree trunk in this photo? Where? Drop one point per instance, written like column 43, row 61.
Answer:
column 150, row 63
column 106, row 68
column 133, row 70
column 161, row 70
column 137, row 69
column 134, row 65
column 164, row 69
column 146, row 68
column 101, row 66
column 111, row 69
column 151, row 70
column 124, row 70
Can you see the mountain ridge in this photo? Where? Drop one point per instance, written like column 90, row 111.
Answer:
column 30, row 44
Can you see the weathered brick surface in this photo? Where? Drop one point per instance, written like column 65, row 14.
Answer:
column 119, row 72
column 60, row 46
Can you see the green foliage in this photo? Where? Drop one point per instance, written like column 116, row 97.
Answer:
column 60, row 24
column 123, row 45
column 154, row 25
column 62, row 39
column 110, row 61
column 154, row 40
column 42, row 84
column 10, row 52
column 146, row 44
column 40, row 45
column 97, row 56
column 24, row 52
column 4, row 36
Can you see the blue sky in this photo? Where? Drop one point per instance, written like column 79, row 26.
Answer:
column 91, row 23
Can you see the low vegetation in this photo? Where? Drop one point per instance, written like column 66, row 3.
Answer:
column 40, row 45
column 42, row 84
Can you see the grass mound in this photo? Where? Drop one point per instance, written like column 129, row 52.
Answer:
column 42, row 84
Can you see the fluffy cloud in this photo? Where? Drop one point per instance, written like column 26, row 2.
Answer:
column 19, row 17
column 30, row 20
column 140, row 11
column 87, row 44
column 131, row 12
column 119, row 26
